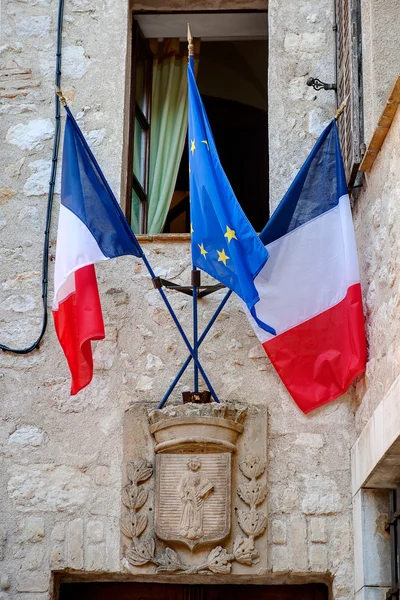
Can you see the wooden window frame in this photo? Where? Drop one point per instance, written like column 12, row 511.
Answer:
column 139, row 45
column 349, row 84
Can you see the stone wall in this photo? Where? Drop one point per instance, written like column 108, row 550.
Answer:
column 377, row 222
column 380, row 57
column 61, row 456
column 301, row 45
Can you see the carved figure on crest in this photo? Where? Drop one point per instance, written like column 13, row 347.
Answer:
column 193, row 490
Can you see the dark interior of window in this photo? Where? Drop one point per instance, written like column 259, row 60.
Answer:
column 232, row 80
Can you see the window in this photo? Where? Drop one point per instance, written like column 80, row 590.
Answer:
column 349, row 84
column 394, row 530
column 232, row 79
column 139, row 132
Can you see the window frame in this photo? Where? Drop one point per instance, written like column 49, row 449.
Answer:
column 349, row 84
column 139, row 46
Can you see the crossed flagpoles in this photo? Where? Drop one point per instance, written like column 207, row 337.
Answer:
column 196, row 290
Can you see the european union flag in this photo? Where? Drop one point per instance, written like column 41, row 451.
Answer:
column 224, row 243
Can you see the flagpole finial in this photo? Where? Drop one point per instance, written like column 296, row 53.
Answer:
column 190, row 41
column 60, row 96
column 341, row 108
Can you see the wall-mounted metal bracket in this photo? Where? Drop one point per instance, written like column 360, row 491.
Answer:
column 317, row 84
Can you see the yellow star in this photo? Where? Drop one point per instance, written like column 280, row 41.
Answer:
column 191, row 228
column 202, row 250
column 230, row 234
column 222, row 257
column 192, row 147
column 206, row 143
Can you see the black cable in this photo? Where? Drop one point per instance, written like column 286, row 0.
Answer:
column 50, row 196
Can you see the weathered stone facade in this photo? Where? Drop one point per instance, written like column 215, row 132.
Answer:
column 62, row 461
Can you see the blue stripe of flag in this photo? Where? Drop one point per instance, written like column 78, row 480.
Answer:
column 86, row 193
column 316, row 189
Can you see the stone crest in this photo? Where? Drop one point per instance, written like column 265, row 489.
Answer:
column 193, row 492
column 193, row 497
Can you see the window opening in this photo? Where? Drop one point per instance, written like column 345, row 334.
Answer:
column 393, row 526
column 139, row 134
column 232, row 79
column 349, row 83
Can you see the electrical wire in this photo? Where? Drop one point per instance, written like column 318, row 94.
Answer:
column 50, row 196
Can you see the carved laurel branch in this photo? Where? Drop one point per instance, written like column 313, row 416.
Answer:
column 252, row 522
column 142, row 551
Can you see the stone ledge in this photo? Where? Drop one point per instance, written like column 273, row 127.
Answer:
column 382, row 128
column 375, row 460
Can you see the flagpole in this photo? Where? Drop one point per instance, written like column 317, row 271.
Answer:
column 195, row 273
column 195, row 287
column 189, row 358
column 156, row 280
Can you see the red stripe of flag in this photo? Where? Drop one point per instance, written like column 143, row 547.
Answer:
column 78, row 321
column 318, row 359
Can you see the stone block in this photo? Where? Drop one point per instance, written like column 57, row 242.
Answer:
column 39, row 596
column 32, row 529
column 37, row 184
column 3, row 539
column 312, row 42
column 318, row 529
column 34, row 558
column 95, row 557
column 33, row 582
column 298, row 537
column 48, row 488
column 279, row 559
column 95, row 531
column 278, row 532
column 19, row 303
column 290, row 499
column 56, row 557
column 30, row 135
column 102, row 475
column 38, row 26
column 75, row 544
column 310, row 440
column 372, row 593
column 318, row 558
column 321, row 496
column 58, row 532
column 27, row 436
column 371, row 542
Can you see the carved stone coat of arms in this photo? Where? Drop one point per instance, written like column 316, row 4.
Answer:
column 193, row 493
column 193, row 497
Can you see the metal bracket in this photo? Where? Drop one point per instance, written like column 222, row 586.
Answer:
column 204, row 290
column 317, row 84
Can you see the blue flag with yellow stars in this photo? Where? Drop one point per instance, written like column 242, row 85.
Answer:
column 224, row 243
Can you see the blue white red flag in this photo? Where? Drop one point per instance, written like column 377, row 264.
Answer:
column 224, row 243
column 310, row 287
column 91, row 228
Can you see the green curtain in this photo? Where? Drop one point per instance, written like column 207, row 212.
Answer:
column 168, row 129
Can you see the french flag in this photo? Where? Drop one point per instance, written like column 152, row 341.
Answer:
column 310, row 287
column 91, row 228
